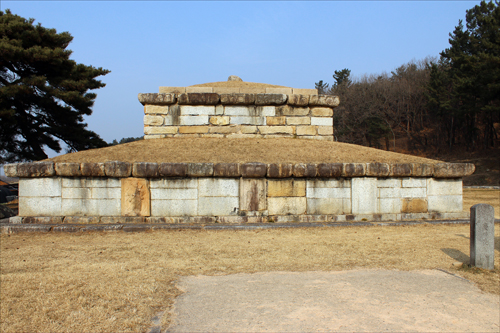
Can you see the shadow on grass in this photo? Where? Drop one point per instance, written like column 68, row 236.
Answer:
column 457, row 255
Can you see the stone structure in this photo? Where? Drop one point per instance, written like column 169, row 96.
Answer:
column 238, row 112
column 482, row 236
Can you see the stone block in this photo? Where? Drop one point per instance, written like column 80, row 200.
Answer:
column 298, row 120
column 444, row 186
column 270, row 99
column 199, row 89
column 305, row 170
column 444, row 203
column 154, row 136
column 243, row 136
column 225, row 129
column 179, row 183
column 298, row 100
column 216, row 206
column 247, row 120
column 219, row 120
column 278, row 91
column 157, row 99
column 329, row 170
column 317, row 206
column 198, row 99
column 286, row 188
column 279, row 170
column 389, row 182
column 226, row 90
column 40, row 187
column 321, row 112
column 329, row 183
column 105, row 193
column 253, row 195
column 324, row 100
column 273, row 121
column 245, row 90
column 413, row 192
column 364, row 195
column 200, row 169
column 218, row 187
column 353, row 169
column 377, row 169
column 276, row 130
column 103, row 182
column 35, row 169
column 172, row 90
column 265, row 111
column 389, row 206
column 219, row 110
column 156, row 109
column 68, row 169
column 482, row 236
column 326, row 192
column 237, row 99
column 227, row 170
column 174, row 207
column 161, row 130
column 10, row 170
column 414, row 182
column 42, row 220
column 322, row 121
column 145, row 170
column 118, row 169
column 414, row 205
column 135, row 197
column 172, row 169
column 388, row 192
column 193, row 120
column 422, row 170
column 81, row 219
column 193, row 129
column 39, row 206
column 453, row 170
column 76, row 193
column 306, row 130
column 305, row 91
column 174, row 193
column 153, row 120
column 325, row 130
column 287, row 110
column 253, row 170
column 190, row 110
column 287, row 205
column 401, row 170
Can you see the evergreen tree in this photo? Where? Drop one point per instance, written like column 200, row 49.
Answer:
column 43, row 94
column 342, row 77
column 322, row 87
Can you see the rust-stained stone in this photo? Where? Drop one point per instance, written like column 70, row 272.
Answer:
column 118, row 169
column 270, row 99
column 377, row 169
column 173, row 169
column 227, row 170
column 145, row 170
column 422, row 170
column 401, row 170
column 324, row 100
column 253, row 170
column 353, row 170
column 453, row 170
column 92, row 169
column 35, row 169
column 200, row 169
column 329, row 170
column 253, row 195
column 81, row 219
column 135, row 199
column 414, row 205
column 298, row 100
column 279, row 170
column 305, row 170
column 68, row 169
column 10, row 170
column 157, row 99
column 237, row 99
column 198, row 99
column 42, row 220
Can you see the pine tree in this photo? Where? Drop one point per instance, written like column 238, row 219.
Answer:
column 43, row 94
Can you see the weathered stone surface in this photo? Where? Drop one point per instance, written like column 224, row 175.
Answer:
column 35, row 169
column 198, row 98
column 324, row 100
column 444, row 203
column 156, row 109
column 305, row 170
column 199, row 89
column 42, row 220
column 196, row 110
column 377, row 169
column 234, row 78
column 287, row 205
column 135, row 197
column 92, row 169
column 10, row 170
column 364, row 195
column 276, row 130
column 172, row 90
column 253, row 195
column 322, row 121
column 161, row 130
column 68, row 169
column 321, row 112
column 226, row 129
column 227, row 170
column 482, row 236
column 453, row 170
column 279, row 170
column 157, row 99
column 237, row 99
column 353, row 169
column 145, row 170
column 401, row 170
column 278, row 90
column 415, row 205
column 118, row 169
column 153, row 120
column 273, row 121
column 422, row 170
column 270, row 99
column 193, row 129
column 215, row 206
column 81, row 219
column 253, row 170
column 247, row 120
column 330, row 170
column 319, row 206
column 298, row 120
column 200, row 169
column 298, row 91
column 306, row 130
column 286, row 188
column 287, row 110
column 219, row 120
column 439, row 187
column 298, row 100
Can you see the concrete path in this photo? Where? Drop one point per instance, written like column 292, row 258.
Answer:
column 359, row 301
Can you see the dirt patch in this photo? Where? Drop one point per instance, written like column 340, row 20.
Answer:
column 204, row 150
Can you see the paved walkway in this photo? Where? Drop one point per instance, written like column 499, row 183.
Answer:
column 358, row 300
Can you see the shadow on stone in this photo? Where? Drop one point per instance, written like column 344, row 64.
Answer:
column 457, row 255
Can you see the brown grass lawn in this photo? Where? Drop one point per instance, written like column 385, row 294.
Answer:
column 110, row 282
column 472, row 196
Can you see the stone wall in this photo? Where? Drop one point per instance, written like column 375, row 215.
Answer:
column 276, row 112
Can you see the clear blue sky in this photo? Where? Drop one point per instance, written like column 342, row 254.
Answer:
column 290, row 43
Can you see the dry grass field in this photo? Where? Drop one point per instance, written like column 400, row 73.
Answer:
column 472, row 196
